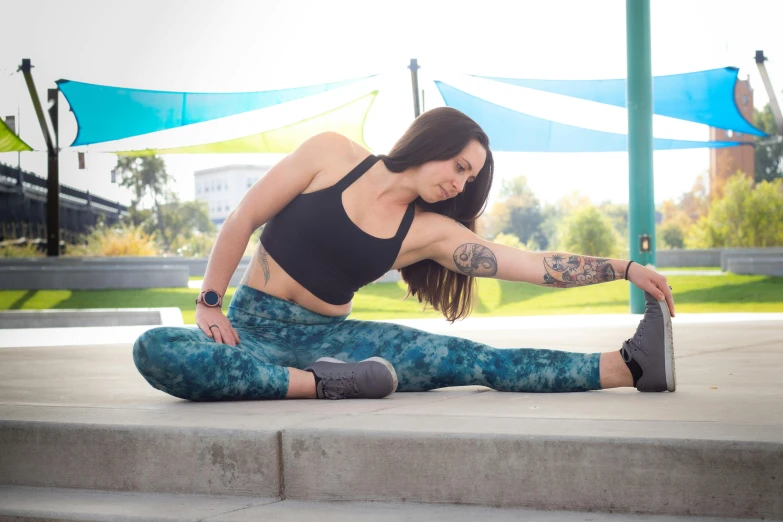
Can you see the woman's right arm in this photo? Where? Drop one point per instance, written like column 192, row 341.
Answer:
column 284, row 181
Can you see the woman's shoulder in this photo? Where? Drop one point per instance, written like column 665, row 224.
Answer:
column 333, row 146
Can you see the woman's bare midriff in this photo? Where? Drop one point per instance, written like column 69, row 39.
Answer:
column 273, row 280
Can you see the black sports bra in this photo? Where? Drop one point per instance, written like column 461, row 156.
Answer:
column 318, row 245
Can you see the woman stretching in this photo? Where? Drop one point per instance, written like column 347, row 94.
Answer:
column 338, row 218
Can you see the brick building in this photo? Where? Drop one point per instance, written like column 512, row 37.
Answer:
column 725, row 162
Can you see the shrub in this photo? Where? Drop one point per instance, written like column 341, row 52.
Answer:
column 118, row 240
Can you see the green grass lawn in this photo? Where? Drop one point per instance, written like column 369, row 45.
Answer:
column 692, row 294
column 686, row 269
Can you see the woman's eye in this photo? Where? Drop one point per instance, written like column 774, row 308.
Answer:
column 459, row 167
column 471, row 179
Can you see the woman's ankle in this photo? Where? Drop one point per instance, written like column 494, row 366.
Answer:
column 613, row 371
column 301, row 384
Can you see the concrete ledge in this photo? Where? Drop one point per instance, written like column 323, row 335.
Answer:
column 733, row 253
column 196, row 266
column 91, row 317
column 682, row 257
column 757, row 264
column 513, row 463
column 41, row 504
column 92, row 277
column 155, row 459
column 664, row 468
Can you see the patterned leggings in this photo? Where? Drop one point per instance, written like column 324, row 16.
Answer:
column 275, row 334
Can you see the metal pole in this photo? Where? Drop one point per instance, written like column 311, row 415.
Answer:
column 414, row 67
column 28, row 77
column 773, row 100
column 641, row 201
column 53, row 181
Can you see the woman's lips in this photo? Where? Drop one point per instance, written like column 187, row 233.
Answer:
column 445, row 194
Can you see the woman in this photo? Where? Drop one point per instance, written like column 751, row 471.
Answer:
column 328, row 233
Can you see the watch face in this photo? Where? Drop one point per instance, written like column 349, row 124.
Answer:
column 211, row 298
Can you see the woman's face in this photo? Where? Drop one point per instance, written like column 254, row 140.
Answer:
column 443, row 180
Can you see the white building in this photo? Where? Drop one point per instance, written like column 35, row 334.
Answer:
column 223, row 187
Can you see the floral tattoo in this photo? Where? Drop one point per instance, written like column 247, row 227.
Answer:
column 567, row 271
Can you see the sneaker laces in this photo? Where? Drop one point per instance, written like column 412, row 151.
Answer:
column 636, row 340
column 340, row 386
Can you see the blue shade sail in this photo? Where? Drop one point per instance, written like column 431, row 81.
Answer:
column 701, row 97
column 514, row 131
column 105, row 113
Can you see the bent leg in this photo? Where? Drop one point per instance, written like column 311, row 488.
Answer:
column 185, row 363
column 425, row 361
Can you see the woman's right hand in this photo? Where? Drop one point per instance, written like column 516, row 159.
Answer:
column 221, row 330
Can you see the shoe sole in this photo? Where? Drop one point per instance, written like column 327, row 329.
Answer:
column 376, row 359
column 671, row 381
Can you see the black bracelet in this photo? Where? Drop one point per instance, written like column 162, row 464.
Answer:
column 626, row 269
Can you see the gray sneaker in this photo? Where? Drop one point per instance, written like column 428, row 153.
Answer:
column 653, row 348
column 372, row 378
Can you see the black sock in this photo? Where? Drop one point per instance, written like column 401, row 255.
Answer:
column 317, row 379
column 636, row 370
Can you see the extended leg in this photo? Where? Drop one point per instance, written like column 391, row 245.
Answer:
column 426, row 361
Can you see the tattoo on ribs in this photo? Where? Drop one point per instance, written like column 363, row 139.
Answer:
column 475, row 260
column 567, row 271
column 262, row 259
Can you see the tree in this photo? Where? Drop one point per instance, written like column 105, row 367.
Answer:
column 589, row 232
column 146, row 176
column 517, row 213
column 509, row 240
column 671, row 235
column 769, row 149
column 744, row 217
column 168, row 217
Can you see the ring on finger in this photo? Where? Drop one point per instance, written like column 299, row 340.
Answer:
column 214, row 326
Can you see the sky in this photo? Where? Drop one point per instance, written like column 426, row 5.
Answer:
column 233, row 46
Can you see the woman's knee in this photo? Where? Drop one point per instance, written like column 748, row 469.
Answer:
column 157, row 354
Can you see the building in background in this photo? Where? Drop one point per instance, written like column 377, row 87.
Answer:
column 725, row 162
column 223, row 187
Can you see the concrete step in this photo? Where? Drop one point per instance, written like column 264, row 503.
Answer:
column 82, row 417
column 44, row 504
column 657, row 467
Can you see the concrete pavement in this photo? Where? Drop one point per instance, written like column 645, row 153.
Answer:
column 77, row 415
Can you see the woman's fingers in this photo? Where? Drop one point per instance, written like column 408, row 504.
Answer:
column 669, row 298
column 205, row 328
column 662, row 292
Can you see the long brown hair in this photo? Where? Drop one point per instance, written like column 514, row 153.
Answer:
column 440, row 134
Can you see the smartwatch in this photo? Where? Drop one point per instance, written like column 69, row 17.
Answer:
column 210, row 298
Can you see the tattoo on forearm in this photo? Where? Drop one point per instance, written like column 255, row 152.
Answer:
column 567, row 271
column 475, row 260
column 261, row 255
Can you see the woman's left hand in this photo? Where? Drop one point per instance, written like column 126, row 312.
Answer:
column 652, row 282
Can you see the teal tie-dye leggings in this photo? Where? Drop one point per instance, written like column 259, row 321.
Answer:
column 276, row 334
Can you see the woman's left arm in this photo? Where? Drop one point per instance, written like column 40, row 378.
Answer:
column 462, row 251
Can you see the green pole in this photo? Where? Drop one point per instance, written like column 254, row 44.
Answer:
column 641, row 201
